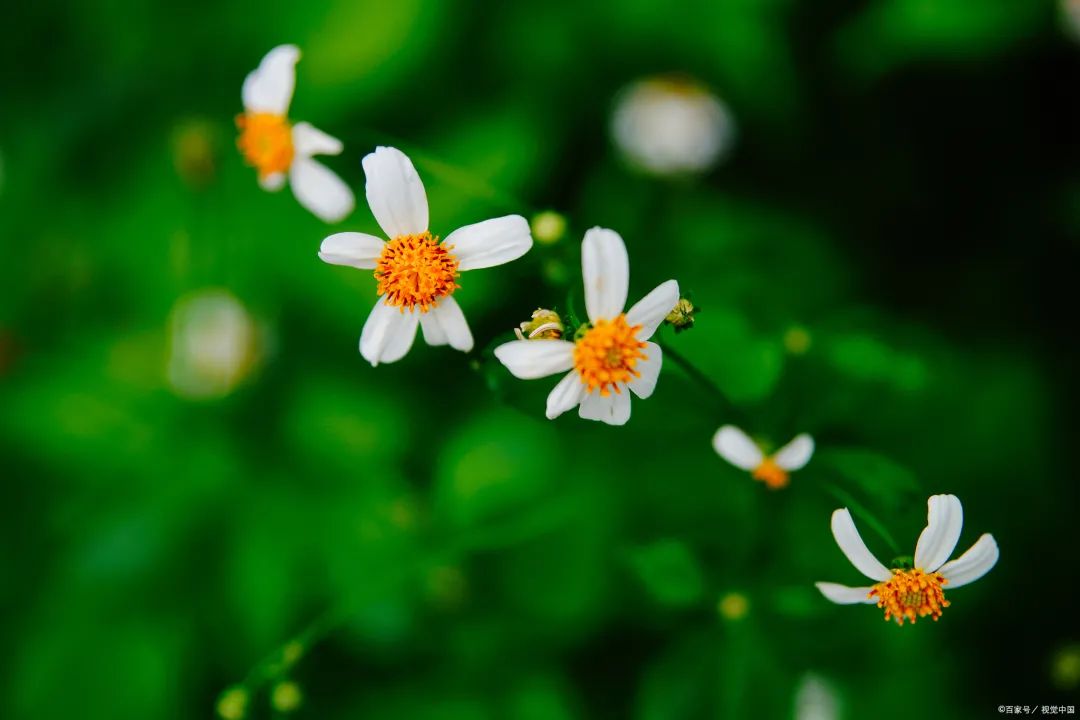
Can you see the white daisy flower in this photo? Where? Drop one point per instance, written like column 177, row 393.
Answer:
column 278, row 149
column 417, row 274
column 913, row 590
column 737, row 448
column 613, row 353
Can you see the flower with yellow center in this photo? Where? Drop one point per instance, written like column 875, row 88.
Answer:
column 913, row 590
column 417, row 275
column 774, row 470
column 612, row 354
column 278, row 149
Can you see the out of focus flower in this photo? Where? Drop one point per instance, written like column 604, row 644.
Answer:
column 797, row 340
column 774, row 470
column 417, row 274
column 232, row 705
column 278, row 149
column 544, row 325
column 214, row 345
column 195, row 152
column 733, row 606
column 672, row 126
column 286, row 696
column 1070, row 18
column 1065, row 668
column 548, row 227
column 609, row 355
column 815, row 699
column 912, row 590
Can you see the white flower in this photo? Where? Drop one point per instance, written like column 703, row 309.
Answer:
column 276, row 148
column 613, row 354
column 737, row 448
column 417, row 274
column 214, row 344
column 671, row 126
column 913, row 591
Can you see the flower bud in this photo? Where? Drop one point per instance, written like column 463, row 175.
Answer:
column 681, row 316
column 544, row 325
column 548, row 227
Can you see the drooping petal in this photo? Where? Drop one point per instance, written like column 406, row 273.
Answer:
column 613, row 409
column 272, row 182
column 651, row 310
column 269, row 87
column 605, row 268
column 972, row 565
column 354, row 249
column 433, row 332
column 395, row 193
column 737, row 448
column 796, row 453
column 844, row 595
column 566, row 395
column 320, row 190
column 649, row 368
column 853, row 547
column 530, row 359
column 491, row 242
column 309, row 140
column 944, row 520
column 447, row 313
column 388, row 333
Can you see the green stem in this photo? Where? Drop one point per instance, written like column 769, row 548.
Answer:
column 670, row 353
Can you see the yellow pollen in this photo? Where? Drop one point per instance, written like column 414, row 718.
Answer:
column 416, row 270
column 266, row 142
column 607, row 354
column 774, row 476
column 911, row 594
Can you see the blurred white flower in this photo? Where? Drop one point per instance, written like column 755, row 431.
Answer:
column 913, row 590
column 1070, row 18
column 276, row 148
column 815, row 699
column 417, row 274
column 672, row 126
column 213, row 345
column 613, row 353
column 737, row 448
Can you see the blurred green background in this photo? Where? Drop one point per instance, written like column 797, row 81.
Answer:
column 885, row 259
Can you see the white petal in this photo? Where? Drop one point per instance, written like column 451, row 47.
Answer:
column 320, row 190
column 737, row 448
column 530, row 359
column 568, row 393
column 972, row 565
column 796, row 453
column 605, row 268
column 852, row 545
column 650, row 371
column 944, row 519
column 433, row 332
column 395, row 193
column 309, row 140
column 269, row 87
column 354, row 249
column 844, row 595
column 452, row 322
column 614, row 409
column 272, row 182
column 651, row 310
column 388, row 333
column 491, row 242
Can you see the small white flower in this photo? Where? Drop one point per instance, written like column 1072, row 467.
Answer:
column 417, row 274
column 672, row 126
column 214, row 344
column 613, row 354
column 913, row 592
column 737, row 448
column 276, row 148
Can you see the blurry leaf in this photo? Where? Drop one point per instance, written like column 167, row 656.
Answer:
column 874, row 474
column 669, row 572
column 862, row 357
column 540, row 698
column 677, row 684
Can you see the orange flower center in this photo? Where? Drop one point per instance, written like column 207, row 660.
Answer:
column 416, row 270
column 266, row 142
column 607, row 354
column 911, row 594
column 771, row 474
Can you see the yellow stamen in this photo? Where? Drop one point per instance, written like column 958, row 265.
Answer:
column 607, row 354
column 774, row 476
column 911, row 594
column 416, row 270
column 266, row 142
